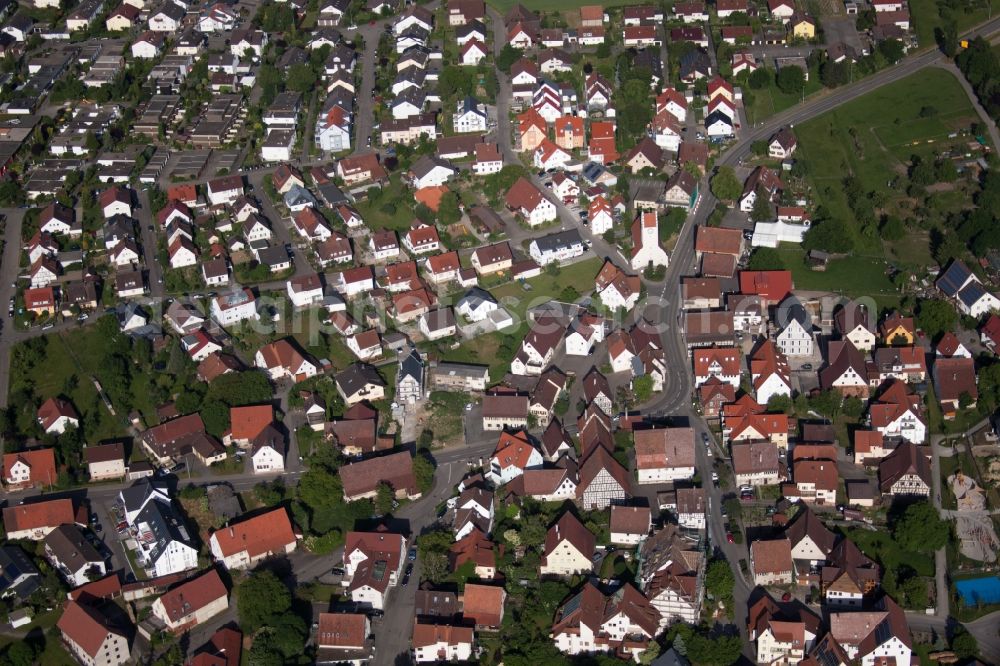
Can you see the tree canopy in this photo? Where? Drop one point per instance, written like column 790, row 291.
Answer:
column 725, row 185
column 261, row 599
column 920, row 528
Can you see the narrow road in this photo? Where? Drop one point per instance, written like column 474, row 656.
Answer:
column 991, row 127
column 9, row 268
column 364, row 105
column 148, row 233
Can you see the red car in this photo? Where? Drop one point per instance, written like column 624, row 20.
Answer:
column 729, row 537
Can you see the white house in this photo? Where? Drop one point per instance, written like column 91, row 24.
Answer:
column 558, row 247
column 646, row 250
column 528, row 201
column 470, row 116
column 268, row 457
column 795, row 338
column 234, row 307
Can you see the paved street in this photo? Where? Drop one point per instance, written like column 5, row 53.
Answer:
column 662, row 307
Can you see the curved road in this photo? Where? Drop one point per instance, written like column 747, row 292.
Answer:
column 676, row 392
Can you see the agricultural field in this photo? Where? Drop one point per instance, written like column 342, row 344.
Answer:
column 874, row 139
column 926, row 18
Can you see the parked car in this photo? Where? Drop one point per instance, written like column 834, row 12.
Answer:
column 412, row 555
column 729, row 537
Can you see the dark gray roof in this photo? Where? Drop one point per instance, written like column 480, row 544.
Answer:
column 135, row 495
column 476, row 297
column 273, row 255
column 357, row 376
column 954, row 278
column 71, row 549
column 791, row 309
column 558, row 240
column 412, row 366
column 165, row 525
column 18, row 575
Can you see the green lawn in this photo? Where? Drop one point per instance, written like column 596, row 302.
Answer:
column 764, row 103
column 546, row 287
column 925, row 19
column 855, row 275
column 490, row 350
column 873, row 137
column 503, row 6
column 392, row 210
column 52, row 377
column 881, row 547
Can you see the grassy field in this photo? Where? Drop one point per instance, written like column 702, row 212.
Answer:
column 926, row 19
column 882, row 548
column 545, row 287
column 855, row 275
column 53, row 376
column 846, row 140
column 768, row 101
column 393, row 210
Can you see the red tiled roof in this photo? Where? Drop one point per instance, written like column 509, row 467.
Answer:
column 193, row 595
column 248, row 422
column 483, row 604
column 85, row 626
column 364, row 477
column 268, row 532
column 41, row 461
column 773, row 556
column 48, row 513
column 771, row 285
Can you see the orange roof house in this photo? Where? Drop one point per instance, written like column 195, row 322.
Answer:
column 34, row 467
column 430, row 196
column 569, row 132
column 246, row 542
column 249, row 421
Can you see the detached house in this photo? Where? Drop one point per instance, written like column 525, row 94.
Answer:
column 513, row 455
column 906, row 471
column 664, row 454
column 568, row 548
column 245, row 543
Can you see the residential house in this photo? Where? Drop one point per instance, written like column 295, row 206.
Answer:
column 568, row 548
column 906, row 471
column 771, row 562
column 664, row 454
column 243, row 544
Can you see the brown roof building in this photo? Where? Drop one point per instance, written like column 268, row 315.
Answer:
column 361, row 479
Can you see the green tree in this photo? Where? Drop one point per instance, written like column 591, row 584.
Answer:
column 892, row 50
column 791, row 80
column 852, row 407
column 892, row 228
column 714, row 650
column 920, row 528
column 448, row 210
column 780, row 403
column 760, row 78
column 936, row 317
column 765, row 259
column 301, row 78
column 725, row 186
column 719, row 580
column 642, row 388
column 914, row 589
column 384, row 497
column 964, row 645
column 423, row 470
column 761, row 211
column 261, row 599
column 457, row 80
column 508, row 56
column 269, row 494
